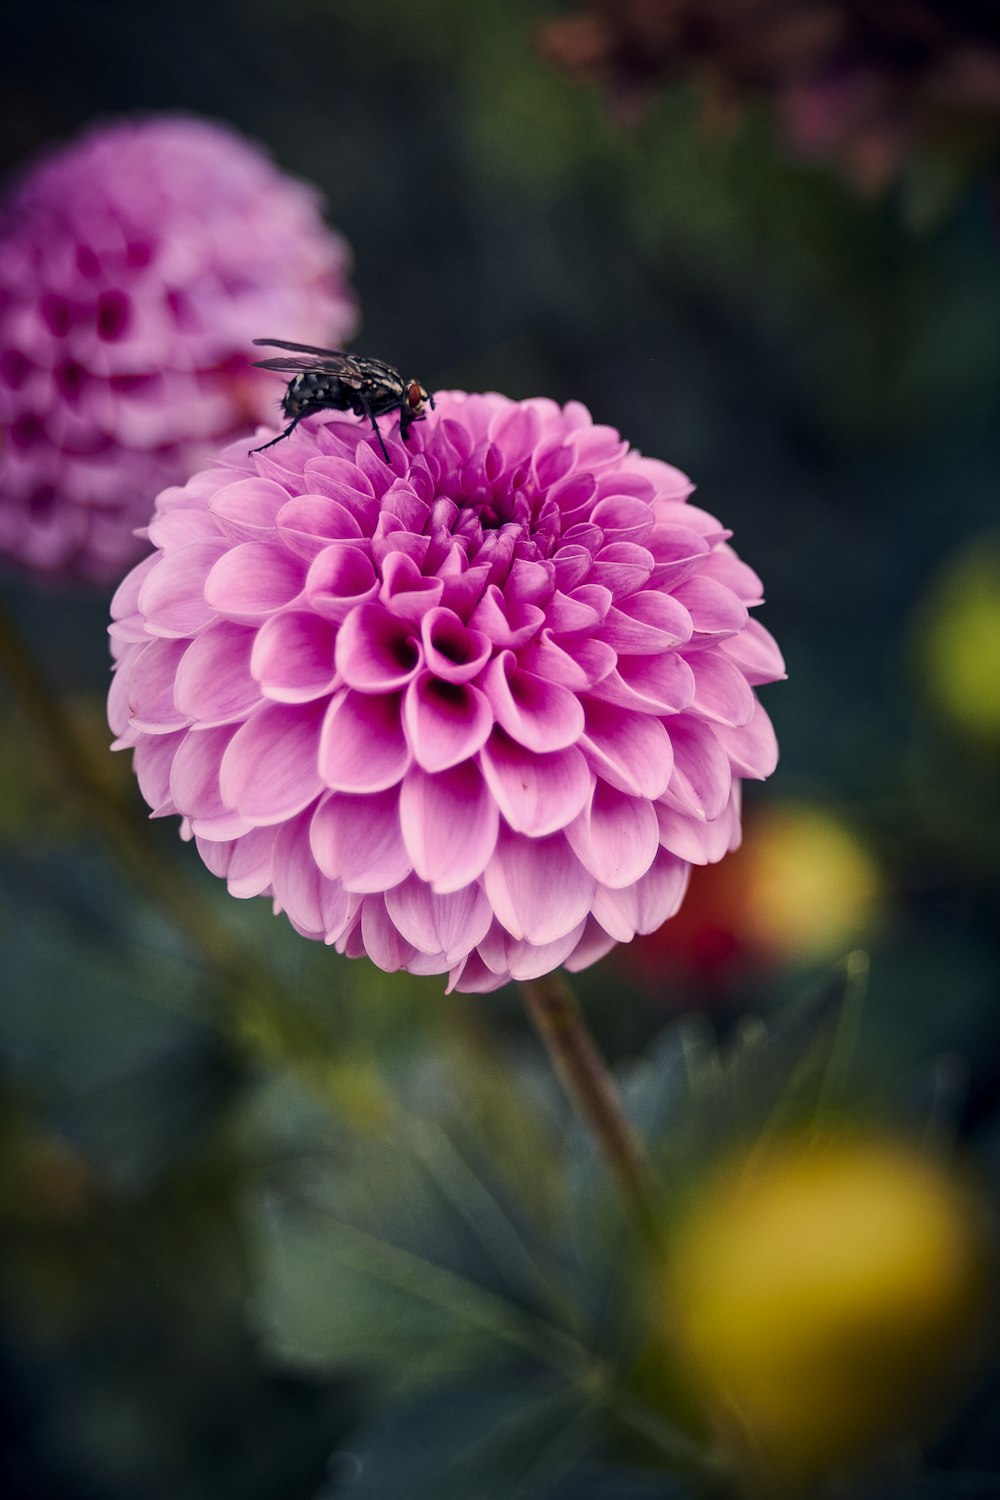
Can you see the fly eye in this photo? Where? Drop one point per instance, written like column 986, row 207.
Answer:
column 416, row 395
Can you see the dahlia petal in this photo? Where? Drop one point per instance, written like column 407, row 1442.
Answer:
column 127, row 620
column 297, row 883
column 647, row 623
column 571, row 564
column 150, row 689
column 538, row 888
column 247, row 508
column 593, row 945
column 329, row 508
column 725, row 568
column 214, row 684
column 152, row 762
column 251, row 862
column 194, row 785
column 401, row 502
column 702, row 776
column 451, row 924
column 574, row 663
column 668, row 482
column 700, row 841
column 179, row 526
column 340, row 578
column 721, row 691
column 677, row 552
column 515, row 430
column 537, row 794
column 648, row 684
column 269, row 771
column 118, row 709
column 253, row 579
column 377, row 652
column 569, row 613
column 172, row 595
column 384, row 943
column 318, row 907
column 514, row 958
column 446, row 722
column 450, row 825
column 539, row 715
column 617, row 912
column 342, row 480
column 362, row 747
column 293, row 657
column 622, row 518
column 307, row 524
column 505, row 622
column 451, row 650
column 615, row 837
column 528, row 583
column 714, row 609
column 756, row 653
column 630, row 751
column 622, row 568
column 661, row 891
column 752, row 749
column 406, row 592
column 358, row 840
column 472, row 977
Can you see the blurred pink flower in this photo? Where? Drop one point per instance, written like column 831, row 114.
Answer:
column 476, row 712
column 137, row 264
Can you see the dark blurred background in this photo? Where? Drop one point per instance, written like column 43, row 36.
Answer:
column 823, row 359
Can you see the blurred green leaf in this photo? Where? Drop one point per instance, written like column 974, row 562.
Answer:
column 505, row 1439
column 398, row 1251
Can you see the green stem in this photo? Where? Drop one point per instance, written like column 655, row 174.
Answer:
column 556, row 1013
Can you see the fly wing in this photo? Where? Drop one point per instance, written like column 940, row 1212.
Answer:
column 301, row 366
column 300, row 348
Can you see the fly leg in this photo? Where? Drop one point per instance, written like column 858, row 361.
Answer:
column 281, row 435
column 371, row 417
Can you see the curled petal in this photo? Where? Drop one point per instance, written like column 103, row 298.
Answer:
column 539, row 715
column 340, row 578
column 451, row 650
column 446, row 722
column 377, row 652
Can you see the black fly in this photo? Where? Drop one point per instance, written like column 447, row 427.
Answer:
column 330, row 380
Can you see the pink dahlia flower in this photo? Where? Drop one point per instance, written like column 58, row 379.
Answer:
column 476, row 712
column 136, row 267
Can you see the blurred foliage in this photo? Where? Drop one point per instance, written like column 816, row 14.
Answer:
column 280, row 1225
